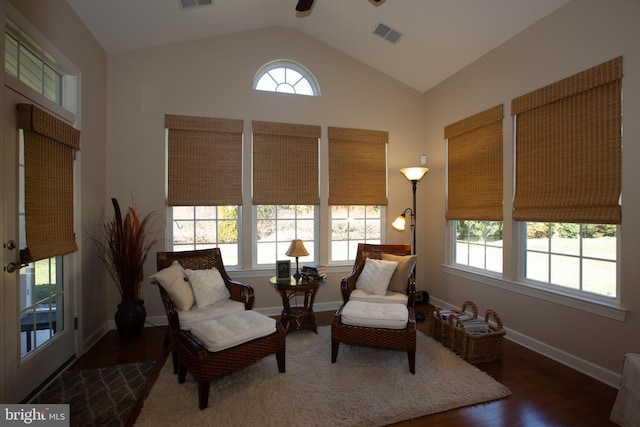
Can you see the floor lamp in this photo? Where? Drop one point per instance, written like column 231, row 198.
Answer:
column 414, row 175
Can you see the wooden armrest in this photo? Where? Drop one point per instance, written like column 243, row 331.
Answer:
column 193, row 345
column 411, row 292
column 348, row 284
column 242, row 292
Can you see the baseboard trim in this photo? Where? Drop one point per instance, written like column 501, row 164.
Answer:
column 592, row 370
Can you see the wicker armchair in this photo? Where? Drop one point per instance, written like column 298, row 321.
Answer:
column 395, row 339
column 189, row 354
column 195, row 260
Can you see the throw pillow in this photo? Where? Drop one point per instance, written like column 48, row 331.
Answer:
column 208, row 286
column 375, row 276
column 173, row 279
column 398, row 282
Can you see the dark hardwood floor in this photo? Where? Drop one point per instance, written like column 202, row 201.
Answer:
column 544, row 392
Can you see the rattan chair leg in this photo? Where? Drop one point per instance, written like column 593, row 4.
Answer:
column 335, row 346
column 174, row 358
column 182, row 374
column 280, row 358
column 412, row 361
column 203, row 394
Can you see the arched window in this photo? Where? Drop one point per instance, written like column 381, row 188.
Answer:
column 286, row 76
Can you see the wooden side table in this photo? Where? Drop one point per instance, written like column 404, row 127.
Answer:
column 297, row 317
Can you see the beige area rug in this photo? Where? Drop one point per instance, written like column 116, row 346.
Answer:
column 365, row 387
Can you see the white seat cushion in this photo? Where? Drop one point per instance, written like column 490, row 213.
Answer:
column 232, row 329
column 375, row 315
column 389, row 297
column 219, row 309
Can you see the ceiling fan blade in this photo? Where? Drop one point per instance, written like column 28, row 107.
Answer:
column 304, row 5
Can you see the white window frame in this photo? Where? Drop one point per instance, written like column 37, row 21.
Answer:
column 282, row 244
column 352, row 244
column 306, row 78
column 229, row 259
column 26, row 35
column 570, row 291
column 483, row 245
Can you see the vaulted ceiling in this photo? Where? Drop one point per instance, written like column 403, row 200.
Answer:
column 437, row 37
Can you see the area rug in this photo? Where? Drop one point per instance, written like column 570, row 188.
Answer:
column 365, row 387
column 99, row 397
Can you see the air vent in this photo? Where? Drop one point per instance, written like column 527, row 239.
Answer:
column 186, row 4
column 387, row 33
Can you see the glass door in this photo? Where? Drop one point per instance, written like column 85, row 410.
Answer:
column 38, row 297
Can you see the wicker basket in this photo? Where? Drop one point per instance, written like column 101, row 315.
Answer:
column 444, row 326
column 438, row 320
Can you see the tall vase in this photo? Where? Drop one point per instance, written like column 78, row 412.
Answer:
column 130, row 318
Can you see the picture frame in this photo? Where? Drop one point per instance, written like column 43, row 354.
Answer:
column 283, row 271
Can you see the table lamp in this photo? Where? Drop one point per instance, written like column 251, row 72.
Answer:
column 297, row 249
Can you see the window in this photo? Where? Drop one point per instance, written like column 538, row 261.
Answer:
column 474, row 189
column 23, row 64
column 286, row 77
column 478, row 244
column 278, row 225
column 580, row 257
column 203, row 227
column 357, row 188
column 204, row 188
column 285, row 192
column 351, row 225
column 46, row 170
column 568, row 181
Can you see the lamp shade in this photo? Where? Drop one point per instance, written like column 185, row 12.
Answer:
column 415, row 173
column 297, row 249
column 399, row 223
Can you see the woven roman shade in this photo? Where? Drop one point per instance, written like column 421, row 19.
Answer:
column 475, row 167
column 285, row 164
column 357, row 167
column 569, row 149
column 204, row 161
column 49, row 145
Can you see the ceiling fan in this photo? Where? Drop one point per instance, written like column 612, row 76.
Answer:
column 305, row 5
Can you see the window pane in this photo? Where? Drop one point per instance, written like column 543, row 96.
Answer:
column 565, row 239
column 266, row 252
column 479, row 244
column 183, row 212
column 11, row 55
column 565, row 271
column 206, row 212
column 537, row 267
column 286, row 77
column 351, row 225
column 206, row 232
column 581, row 257
column 267, row 83
column 52, row 85
column 283, row 224
column 205, row 227
column 30, row 70
column 599, row 277
column 340, row 250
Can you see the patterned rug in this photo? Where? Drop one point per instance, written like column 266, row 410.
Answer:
column 99, row 397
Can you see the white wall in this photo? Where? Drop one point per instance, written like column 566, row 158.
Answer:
column 582, row 34
column 213, row 78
